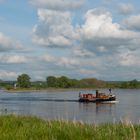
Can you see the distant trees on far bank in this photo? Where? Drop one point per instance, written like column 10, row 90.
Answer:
column 61, row 82
column 134, row 84
column 24, row 81
column 131, row 84
column 65, row 82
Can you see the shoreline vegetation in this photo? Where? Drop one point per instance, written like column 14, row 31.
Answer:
column 92, row 90
column 27, row 127
column 24, row 83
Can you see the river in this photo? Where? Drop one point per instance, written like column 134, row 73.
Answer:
column 63, row 105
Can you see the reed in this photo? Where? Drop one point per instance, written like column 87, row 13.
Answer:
column 31, row 128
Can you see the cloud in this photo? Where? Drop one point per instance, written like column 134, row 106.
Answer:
column 123, row 60
column 100, row 34
column 68, row 62
column 126, row 8
column 48, row 58
column 128, row 59
column 98, row 46
column 15, row 59
column 8, row 44
column 100, row 25
column 55, row 29
column 132, row 22
column 82, row 52
column 58, row 4
column 8, row 75
column 52, row 41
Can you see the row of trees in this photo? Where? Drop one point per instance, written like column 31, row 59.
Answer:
column 124, row 84
column 24, row 81
column 65, row 82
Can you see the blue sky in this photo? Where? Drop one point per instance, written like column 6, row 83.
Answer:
column 78, row 39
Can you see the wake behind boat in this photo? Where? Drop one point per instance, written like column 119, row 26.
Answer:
column 98, row 97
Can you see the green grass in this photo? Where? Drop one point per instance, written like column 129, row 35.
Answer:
column 32, row 128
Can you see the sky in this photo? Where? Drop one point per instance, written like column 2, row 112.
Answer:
column 76, row 38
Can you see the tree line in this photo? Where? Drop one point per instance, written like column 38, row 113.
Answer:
column 24, row 81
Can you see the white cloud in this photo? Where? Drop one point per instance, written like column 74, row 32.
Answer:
column 52, row 41
column 81, row 52
column 126, row 8
column 100, row 25
column 8, row 44
column 132, row 22
column 58, row 4
column 128, row 59
column 15, row 59
column 68, row 62
column 124, row 59
column 55, row 29
column 8, row 75
column 100, row 34
column 48, row 58
column 89, row 44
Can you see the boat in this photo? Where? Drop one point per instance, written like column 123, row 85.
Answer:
column 98, row 97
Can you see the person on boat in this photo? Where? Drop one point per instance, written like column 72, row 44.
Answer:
column 109, row 90
column 80, row 94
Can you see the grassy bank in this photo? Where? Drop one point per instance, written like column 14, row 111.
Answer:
column 31, row 128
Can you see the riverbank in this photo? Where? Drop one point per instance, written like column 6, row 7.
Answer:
column 25, row 128
column 49, row 90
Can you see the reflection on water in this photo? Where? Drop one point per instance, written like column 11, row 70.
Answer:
column 98, row 112
column 65, row 105
column 105, row 108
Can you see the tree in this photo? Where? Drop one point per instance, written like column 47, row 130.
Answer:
column 64, row 82
column 134, row 84
column 24, row 81
column 52, row 81
column 124, row 84
column 61, row 82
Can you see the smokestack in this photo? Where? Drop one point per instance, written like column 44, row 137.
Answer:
column 97, row 93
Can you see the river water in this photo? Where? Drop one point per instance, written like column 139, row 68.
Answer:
column 64, row 105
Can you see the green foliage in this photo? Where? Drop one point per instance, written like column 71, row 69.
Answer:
column 9, row 87
column 65, row 82
column 24, row 81
column 124, row 85
column 52, row 81
column 37, row 85
column 134, row 84
column 92, row 83
column 32, row 128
